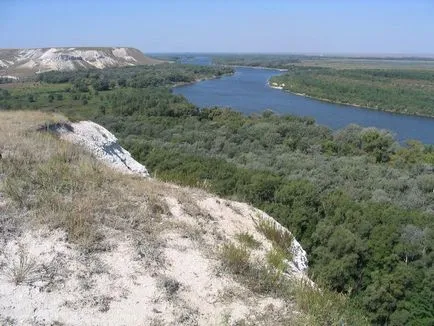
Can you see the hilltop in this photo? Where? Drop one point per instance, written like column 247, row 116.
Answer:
column 15, row 63
column 86, row 240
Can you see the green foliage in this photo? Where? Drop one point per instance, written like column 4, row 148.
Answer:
column 258, row 60
column 398, row 90
column 359, row 203
column 135, row 77
column 325, row 307
column 276, row 258
column 279, row 237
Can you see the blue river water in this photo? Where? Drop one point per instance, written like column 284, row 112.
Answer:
column 247, row 91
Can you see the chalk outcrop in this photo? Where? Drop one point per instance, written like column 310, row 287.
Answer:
column 103, row 145
column 25, row 62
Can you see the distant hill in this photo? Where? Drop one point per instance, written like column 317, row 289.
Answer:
column 17, row 63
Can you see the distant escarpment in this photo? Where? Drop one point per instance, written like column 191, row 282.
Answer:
column 16, row 63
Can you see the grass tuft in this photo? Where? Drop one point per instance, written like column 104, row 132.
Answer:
column 24, row 270
column 278, row 236
column 235, row 258
column 276, row 258
column 248, row 240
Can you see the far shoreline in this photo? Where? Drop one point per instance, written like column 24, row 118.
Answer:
column 351, row 104
column 257, row 67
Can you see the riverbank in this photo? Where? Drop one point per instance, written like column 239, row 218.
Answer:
column 350, row 104
column 247, row 92
column 200, row 80
column 256, row 67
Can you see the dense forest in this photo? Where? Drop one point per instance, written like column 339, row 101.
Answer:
column 397, row 90
column 361, row 204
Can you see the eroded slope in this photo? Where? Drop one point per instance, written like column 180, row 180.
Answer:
column 25, row 62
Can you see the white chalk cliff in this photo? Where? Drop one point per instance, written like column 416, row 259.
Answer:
column 103, row 145
column 22, row 62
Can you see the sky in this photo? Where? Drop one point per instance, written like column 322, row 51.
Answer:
column 269, row 26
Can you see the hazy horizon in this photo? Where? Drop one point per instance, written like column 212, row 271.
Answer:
column 368, row 28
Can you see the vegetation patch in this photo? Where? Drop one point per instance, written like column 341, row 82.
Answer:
column 279, row 237
column 276, row 257
column 235, row 258
column 248, row 240
column 398, row 90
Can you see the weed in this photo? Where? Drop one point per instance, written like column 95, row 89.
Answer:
column 280, row 238
column 235, row 258
column 263, row 279
column 156, row 322
column 23, row 271
column 8, row 321
column 102, row 302
column 248, row 240
column 276, row 258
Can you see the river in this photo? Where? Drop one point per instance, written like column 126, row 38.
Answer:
column 247, row 91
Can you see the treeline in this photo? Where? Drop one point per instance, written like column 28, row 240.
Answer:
column 136, row 77
column 284, row 61
column 259, row 60
column 401, row 91
column 361, row 204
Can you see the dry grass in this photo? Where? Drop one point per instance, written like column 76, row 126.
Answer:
column 61, row 185
column 279, row 237
column 318, row 307
column 248, row 240
column 235, row 258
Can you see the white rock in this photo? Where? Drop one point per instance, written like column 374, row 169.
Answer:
column 104, row 145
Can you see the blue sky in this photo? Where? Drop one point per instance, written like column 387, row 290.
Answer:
column 351, row 26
